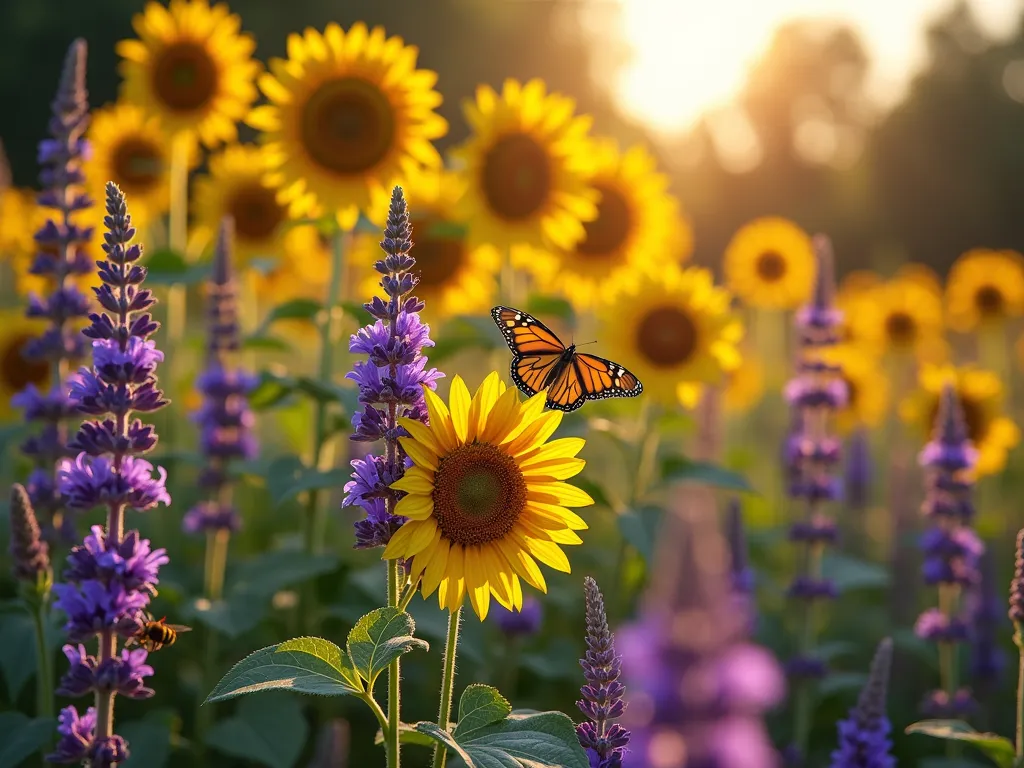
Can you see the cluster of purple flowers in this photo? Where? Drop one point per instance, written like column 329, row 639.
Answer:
column 225, row 419
column 864, row 736
column 952, row 550
column 61, row 256
column 602, row 694
column 390, row 381
column 812, row 453
column 111, row 577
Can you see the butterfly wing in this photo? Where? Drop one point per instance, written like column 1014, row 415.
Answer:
column 592, row 378
column 536, row 350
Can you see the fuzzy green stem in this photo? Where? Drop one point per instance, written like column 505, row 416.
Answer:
column 444, row 711
column 410, row 592
column 44, row 663
column 392, row 738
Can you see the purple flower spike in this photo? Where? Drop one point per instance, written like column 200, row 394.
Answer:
column 1017, row 585
column 602, row 694
column 864, row 737
column 30, row 553
column 76, row 736
column 390, row 381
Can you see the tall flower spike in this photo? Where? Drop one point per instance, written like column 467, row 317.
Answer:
column 602, row 694
column 29, row 552
column 225, row 419
column 61, row 255
column 1017, row 585
column 390, row 381
column 864, row 736
column 112, row 576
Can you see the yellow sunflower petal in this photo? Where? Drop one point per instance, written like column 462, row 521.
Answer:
column 411, row 539
column 476, row 582
column 535, row 433
column 483, row 401
column 564, row 495
column 411, row 483
column 420, row 454
column 556, row 469
column 436, row 568
column 563, row 448
column 554, row 515
column 547, row 552
column 423, row 435
column 460, row 404
column 524, row 564
column 440, row 420
column 415, row 507
column 502, row 418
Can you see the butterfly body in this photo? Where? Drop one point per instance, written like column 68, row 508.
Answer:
column 540, row 361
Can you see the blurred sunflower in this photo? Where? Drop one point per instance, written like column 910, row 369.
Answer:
column 902, row 317
column 191, row 68
column 486, row 497
column 132, row 150
column 16, row 372
column 528, row 164
column 350, row 116
column 867, row 387
column 633, row 233
column 854, row 290
column 744, row 386
column 237, row 185
column 769, row 264
column 921, row 274
column 301, row 270
column 981, row 396
column 983, row 288
column 676, row 332
column 17, row 214
column 454, row 277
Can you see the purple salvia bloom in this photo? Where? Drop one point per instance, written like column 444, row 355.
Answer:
column 61, row 255
column 123, row 674
column 76, row 736
column 31, row 555
column 390, row 381
column 602, row 694
column 864, row 737
column 521, row 623
column 225, row 419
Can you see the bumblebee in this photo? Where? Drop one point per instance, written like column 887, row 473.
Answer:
column 154, row 635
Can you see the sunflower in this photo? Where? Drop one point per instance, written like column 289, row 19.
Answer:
column 854, row 290
column 769, row 263
column 676, row 332
column 867, row 387
column 301, row 271
column 486, row 497
column 921, row 274
column 528, row 162
column 17, row 214
column 350, row 116
column 16, row 372
column 900, row 316
column 132, row 150
column 638, row 224
column 981, row 396
column 454, row 277
column 191, row 68
column 984, row 288
column 744, row 386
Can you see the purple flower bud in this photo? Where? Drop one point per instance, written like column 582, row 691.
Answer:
column 864, row 737
column 76, row 736
column 28, row 551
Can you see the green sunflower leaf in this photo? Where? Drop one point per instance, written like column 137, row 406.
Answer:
column 270, row 390
column 294, row 309
column 997, row 748
column 268, row 730
column 21, row 736
column 380, row 637
column 680, row 469
column 167, row 267
column 480, row 706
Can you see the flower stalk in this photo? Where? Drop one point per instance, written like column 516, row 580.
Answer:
column 1017, row 617
column 444, row 710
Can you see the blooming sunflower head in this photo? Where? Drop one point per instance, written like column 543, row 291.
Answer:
column 638, row 223
column 486, row 497
column 921, row 274
column 191, row 67
column 528, row 164
column 744, row 386
column 677, row 332
column 867, row 388
column 349, row 116
column 16, row 372
column 769, row 263
column 900, row 316
column 983, row 288
column 981, row 398
column 454, row 277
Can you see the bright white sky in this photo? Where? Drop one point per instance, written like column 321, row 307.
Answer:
column 692, row 55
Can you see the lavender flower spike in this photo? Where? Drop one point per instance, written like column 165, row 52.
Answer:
column 864, row 736
column 602, row 694
column 30, row 553
column 1017, row 585
column 390, row 381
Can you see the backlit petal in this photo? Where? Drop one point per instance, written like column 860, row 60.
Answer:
column 415, row 507
column 420, row 454
column 422, row 434
column 553, row 516
column 440, row 420
column 460, row 403
column 483, row 401
column 435, row 570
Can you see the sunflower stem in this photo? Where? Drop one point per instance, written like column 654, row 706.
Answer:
column 444, row 711
column 44, row 680
column 392, row 738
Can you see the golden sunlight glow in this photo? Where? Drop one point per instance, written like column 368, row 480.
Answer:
column 690, row 57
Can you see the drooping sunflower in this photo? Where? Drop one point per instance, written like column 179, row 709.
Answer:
column 744, row 386
column 676, row 332
column 486, row 496
column 981, row 396
column 867, row 386
column 191, row 67
column 984, row 288
column 633, row 233
column 16, row 372
column 455, row 278
column 132, row 150
column 528, row 162
column 350, row 116
column 901, row 317
column 769, row 264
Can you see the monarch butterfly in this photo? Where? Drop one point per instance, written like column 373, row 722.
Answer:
column 541, row 361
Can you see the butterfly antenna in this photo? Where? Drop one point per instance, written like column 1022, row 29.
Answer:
column 585, row 343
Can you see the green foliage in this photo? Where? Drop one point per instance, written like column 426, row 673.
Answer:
column 269, row 730
column 639, row 527
column 681, row 469
column 167, row 267
column 461, row 334
column 379, row 638
column 551, row 306
column 20, row 736
column 293, row 309
column 149, row 738
column 997, row 748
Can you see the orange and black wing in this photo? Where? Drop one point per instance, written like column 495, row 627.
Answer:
column 536, row 351
column 596, row 379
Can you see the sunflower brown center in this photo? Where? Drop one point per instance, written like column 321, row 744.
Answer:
column 516, row 177
column 138, row 164
column 667, row 336
column 605, row 235
column 437, row 257
column 901, row 328
column 479, row 494
column 348, row 125
column 185, row 77
column 989, row 301
column 770, row 266
column 256, row 212
column 16, row 372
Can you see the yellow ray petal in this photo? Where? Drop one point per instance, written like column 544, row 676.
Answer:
column 422, row 434
column 562, row 494
column 552, row 515
column 556, row 469
column 415, row 507
column 483, row 401
column 460, row 402
column 547, row 552
column 557, row 535
column 524, row 564
column 411, row 483
column 536, row 433
column 449, row 594
column 435, row 570
column 476, row 583
column 502, row 418
column 499, row 574
column 421, row 455
column 411, row 539
column 563, row 448
column 440, row 420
